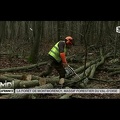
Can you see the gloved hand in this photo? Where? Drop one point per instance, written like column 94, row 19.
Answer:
column 63, row 58
column 61, row 81
column 68, row 70
column 65, row 65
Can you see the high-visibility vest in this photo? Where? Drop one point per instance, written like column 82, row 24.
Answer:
column 54, row 52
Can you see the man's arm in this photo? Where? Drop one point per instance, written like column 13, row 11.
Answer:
column 61, row 46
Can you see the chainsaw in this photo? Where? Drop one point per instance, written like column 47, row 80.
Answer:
column 69, row 71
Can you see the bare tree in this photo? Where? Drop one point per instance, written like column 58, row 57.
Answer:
column 38, row 35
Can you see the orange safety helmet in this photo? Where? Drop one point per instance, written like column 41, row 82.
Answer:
column 69, row 40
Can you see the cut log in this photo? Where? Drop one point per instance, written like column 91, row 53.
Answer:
column 30, row 96
column 3, row 78
column 20, row 77
column 28, row 84
column 52, row 79
column 20, row 83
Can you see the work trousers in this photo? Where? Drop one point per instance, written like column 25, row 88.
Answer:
column 53, row 64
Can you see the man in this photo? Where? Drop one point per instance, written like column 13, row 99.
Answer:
column 57, row 59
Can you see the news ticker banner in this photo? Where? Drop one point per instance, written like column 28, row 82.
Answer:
column 60, row 91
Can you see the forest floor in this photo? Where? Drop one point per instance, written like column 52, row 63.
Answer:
column 100, row 74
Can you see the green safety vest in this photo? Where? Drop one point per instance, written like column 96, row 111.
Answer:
column 54, row 52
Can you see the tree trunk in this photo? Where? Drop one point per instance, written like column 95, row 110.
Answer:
column 22, row 68
column 35, row 49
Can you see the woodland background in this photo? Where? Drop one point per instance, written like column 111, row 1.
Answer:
column 26, row 43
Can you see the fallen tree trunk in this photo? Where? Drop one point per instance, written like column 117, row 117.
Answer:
column 94, row 67
column 90, row 71
column 28, row 84
column 101, row 80
column 10, row 79
column 89, row 64
column 81, row 69
column 33, row 77
column 19, row 83
column 114, row 73
column 112, row 69
column 75, row 80
column 22, row 68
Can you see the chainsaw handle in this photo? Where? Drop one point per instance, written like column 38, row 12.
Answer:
column 71, row 68
column 74, row 72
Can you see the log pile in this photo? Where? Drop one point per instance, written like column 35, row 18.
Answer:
column 32, row 81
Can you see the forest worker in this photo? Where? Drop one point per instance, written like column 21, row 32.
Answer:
column 57, row 58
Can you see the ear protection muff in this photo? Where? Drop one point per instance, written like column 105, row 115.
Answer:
column 68, row 41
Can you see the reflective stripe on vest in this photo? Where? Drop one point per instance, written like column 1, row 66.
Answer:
column 54, row 52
